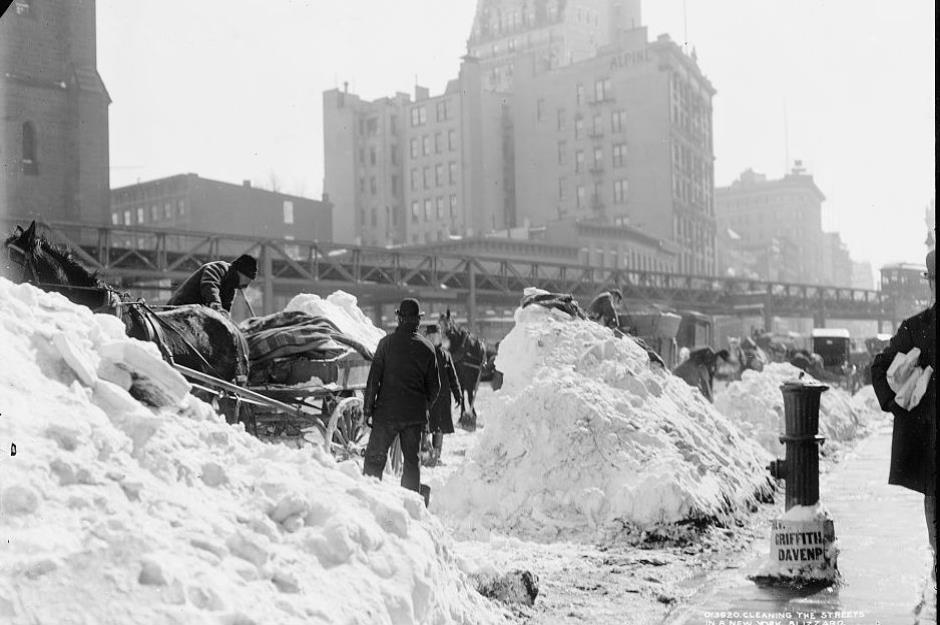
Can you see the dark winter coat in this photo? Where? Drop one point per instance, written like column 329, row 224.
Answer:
column 213, row 283
column 603, row 311
column 441, row 419
column 914, row 446
column 403, row 381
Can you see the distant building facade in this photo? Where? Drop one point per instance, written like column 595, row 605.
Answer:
column 622, row 137
column 837, row 269
column 188, row 202
column 930, row 218
column 863, row 277
column 54, row 112
column 790, row 208
column 411, row 172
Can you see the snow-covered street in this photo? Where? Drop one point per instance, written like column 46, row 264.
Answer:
column 606, row 477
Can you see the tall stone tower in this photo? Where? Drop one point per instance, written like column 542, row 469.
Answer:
column 557, row 32
column 54, row 112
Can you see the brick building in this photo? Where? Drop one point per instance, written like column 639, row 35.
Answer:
column 188, row 202
column 788, row 209
column 54, row 112
column 622, row 137
column 403, row 171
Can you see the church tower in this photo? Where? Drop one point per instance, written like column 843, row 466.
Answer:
column 54, row 112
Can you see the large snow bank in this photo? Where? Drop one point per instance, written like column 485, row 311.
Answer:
column 111, row 512
column 586, row 436
column 755, row 404
column 342, row 309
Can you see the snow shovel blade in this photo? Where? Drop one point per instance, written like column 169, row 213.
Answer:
column 425, row 491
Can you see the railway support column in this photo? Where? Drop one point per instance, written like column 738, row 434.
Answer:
column 768, row 315
column 267, row 281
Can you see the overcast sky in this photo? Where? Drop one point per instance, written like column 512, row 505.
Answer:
column 234, row 94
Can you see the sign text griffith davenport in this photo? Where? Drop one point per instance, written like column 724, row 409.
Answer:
column 800, row 541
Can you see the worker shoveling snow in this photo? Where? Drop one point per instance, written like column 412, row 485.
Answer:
column 586, row 437
column 111, row 512
column 755, row 403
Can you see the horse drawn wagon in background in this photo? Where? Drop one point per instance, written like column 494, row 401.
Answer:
column 834, row 345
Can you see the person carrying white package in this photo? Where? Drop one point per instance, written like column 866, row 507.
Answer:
column 914, row 443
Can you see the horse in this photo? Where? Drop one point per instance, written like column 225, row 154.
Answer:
column 469, row 354
column 699, row 369
column 193, row 336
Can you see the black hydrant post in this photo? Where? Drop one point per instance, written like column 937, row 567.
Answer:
column 800, row 468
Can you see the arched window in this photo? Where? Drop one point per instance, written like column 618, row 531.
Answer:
column 30, row 161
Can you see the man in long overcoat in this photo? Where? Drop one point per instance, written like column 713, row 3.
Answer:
column 402, row 386
column 914, row 442
column 440, row 420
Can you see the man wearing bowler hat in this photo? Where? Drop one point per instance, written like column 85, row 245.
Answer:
column 914, row 441
column 402, row 386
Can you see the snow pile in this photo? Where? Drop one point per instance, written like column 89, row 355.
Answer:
column 111, row 512
column 342, row 309
column 865, row 402
column 755, row 404
column 586, row 437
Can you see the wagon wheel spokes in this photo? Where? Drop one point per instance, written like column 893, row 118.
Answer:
column 344, row 433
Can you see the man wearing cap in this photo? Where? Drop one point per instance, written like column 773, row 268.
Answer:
column 402, row 386
column 914, row 442
column 214, row 283
column 441, row 421
column 603, row 308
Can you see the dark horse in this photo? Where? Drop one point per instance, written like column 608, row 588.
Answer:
column 192, row 336
column 469, row 353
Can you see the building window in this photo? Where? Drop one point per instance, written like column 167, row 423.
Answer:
column 180, row 207
column 442, row 111
column 115, row 219
column 452, row 172
column 437, row 142
column 425, row 145
column 127, row 218
column 620, row 154
column 540, row 110
column 30, row 151
column 427, row 209
column 427, row 177
column 414, row 179
column 24, row 8
column 154, row 213
column 561, row 120
column 167, row 210
column 362, row 184
column 578, row 127
column 451, row 140
column 618, row 121
column 372, row 155
column 140, row 214
column 419, row 116
column 414, row 148
column 581, row 196
column 372, row 186
column 415, row 210
column 597, row 127
column 440, row 207
column 579, row 161
column 562, row 188
column 562, row 150
column 372, row 125
column 393, row 152
column 374, row 218
column 579, row 94
column 598, row 158
column 439, row 174
column 620, row 191
column 453, row 205
column 393, row 125
column 362, row 155
column 602, row 90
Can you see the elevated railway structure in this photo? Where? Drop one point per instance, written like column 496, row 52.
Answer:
column 146, row 261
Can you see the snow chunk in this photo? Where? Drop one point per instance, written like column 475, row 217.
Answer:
column 342, row 309
column 587, row 436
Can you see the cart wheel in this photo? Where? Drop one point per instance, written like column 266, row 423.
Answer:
column 345, row 435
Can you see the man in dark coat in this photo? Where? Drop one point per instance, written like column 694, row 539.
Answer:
column 214, row 283
column 402, row 385
column 914, row 442
column 440, row 421
column 603, row 308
